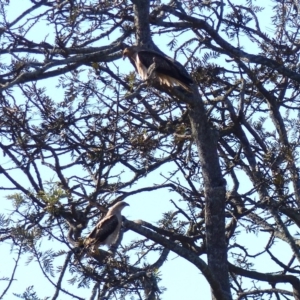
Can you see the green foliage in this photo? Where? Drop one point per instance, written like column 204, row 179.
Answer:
column 53, row 195
column 47, row 261
column 17, row 199
column 79, row 132
column 4, row 221
column 29, row 294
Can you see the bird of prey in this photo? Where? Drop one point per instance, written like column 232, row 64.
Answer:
column 168, row 71
column 107, row 230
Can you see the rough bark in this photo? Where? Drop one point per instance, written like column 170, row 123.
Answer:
column 214, row 186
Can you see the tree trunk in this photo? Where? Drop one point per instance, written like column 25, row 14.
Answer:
column 215, row 188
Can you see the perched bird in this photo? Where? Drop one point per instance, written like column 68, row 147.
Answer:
column 107, row 230
column 168, row 71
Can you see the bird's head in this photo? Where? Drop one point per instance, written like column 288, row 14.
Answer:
column 119, row 206
column 126, row 53
column 129, row 51
column 123, row 204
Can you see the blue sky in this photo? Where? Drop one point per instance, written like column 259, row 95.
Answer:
column 182, row 280
column 149, row 208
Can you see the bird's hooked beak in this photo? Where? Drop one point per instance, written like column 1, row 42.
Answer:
column 125, row 53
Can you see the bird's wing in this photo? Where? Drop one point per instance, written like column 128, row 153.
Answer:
column 102, row 230
column 164, row 65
